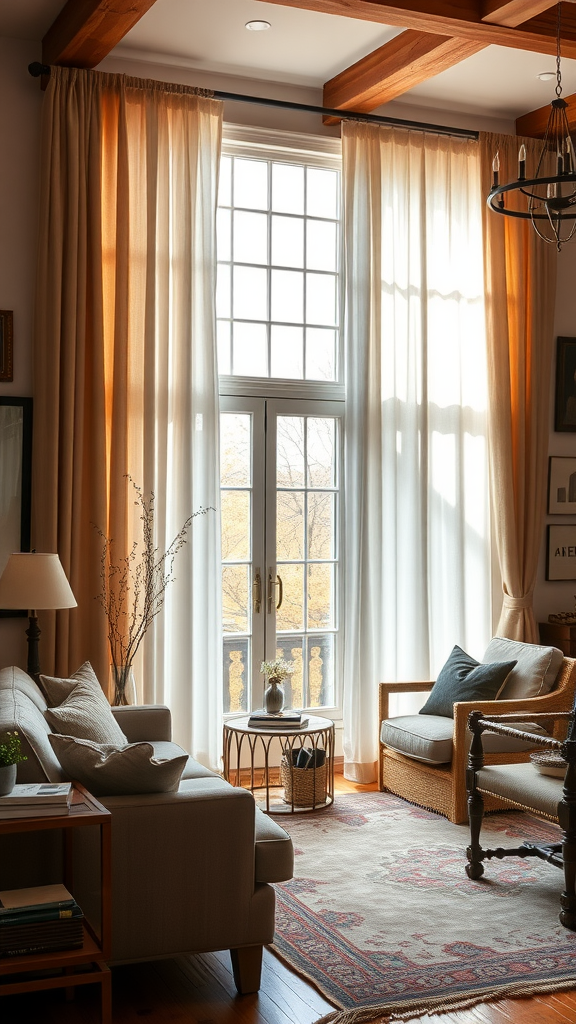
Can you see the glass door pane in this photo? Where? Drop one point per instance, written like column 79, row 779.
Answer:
column 304, row 462
column 242, row 550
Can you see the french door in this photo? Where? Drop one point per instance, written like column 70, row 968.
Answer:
column 281, row 522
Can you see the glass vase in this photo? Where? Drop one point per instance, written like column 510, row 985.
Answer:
column 122, row 685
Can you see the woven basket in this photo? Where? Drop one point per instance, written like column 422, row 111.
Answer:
column 303, row 786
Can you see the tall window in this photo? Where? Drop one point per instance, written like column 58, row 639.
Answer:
column 278, row 246
column 278, row 311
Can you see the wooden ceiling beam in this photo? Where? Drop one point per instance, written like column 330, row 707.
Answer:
column 515, row 12
column 411, row 58
column 86, row 30
column 460, row 18
column 392, row 69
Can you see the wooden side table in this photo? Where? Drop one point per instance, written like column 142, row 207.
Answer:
column 84, row 810
column 318, row 734
column 555, row 634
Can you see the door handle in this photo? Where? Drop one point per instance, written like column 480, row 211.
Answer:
column 257, row 592
column 271, row 584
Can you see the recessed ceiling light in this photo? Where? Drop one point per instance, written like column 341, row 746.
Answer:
column 547, row 76
column 257, row 26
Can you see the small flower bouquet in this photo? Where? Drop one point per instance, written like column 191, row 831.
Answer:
column 10, row 750
column 278, row 669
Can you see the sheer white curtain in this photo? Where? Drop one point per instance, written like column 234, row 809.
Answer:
column 417, row 520
column 182, row 662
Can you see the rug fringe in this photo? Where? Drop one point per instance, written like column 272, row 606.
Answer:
column 386, row 1014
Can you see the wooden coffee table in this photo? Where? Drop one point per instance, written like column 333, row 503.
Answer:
column 261, row 745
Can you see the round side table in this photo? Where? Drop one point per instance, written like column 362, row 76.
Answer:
column 317, row 734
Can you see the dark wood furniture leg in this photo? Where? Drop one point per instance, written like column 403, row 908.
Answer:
column 567, row 820
column 474, row 868
column 247, row 967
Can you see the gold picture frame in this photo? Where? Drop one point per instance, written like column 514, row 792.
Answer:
column 6, row 345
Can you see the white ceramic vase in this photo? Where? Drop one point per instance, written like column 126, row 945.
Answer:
column 273, row 697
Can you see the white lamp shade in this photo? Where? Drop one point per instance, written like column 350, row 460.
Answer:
column 35, row 580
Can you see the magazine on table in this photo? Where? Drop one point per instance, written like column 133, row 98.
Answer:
column 40, row 794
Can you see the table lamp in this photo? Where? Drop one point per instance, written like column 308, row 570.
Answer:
column 34, row 580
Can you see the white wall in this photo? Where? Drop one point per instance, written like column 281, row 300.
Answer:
column 20, row 101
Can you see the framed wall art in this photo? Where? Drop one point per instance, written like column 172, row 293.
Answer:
column 6, row 345
column 561, row 485
column 15, row 479
column 561, row 553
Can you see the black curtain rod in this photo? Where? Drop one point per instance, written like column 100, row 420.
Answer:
column 36, row 69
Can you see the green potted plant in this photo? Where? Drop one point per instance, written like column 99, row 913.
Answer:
column 10, row 756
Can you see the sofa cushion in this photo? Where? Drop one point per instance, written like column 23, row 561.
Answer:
column 274, row 850
column 21, row 708
column 535, row 671
column 429, row 738
column 464, row 678
column 84, row 712
column 113, row 771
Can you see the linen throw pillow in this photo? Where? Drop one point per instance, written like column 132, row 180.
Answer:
column 85, row 711
column 56, row 690
column 464, row 678
column 107, row 770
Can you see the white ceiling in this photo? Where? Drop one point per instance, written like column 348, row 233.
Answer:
column 306, row 48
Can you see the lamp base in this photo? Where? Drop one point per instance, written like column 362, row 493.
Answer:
column 33, row 634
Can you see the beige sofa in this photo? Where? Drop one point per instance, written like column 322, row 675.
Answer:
column 191, row 870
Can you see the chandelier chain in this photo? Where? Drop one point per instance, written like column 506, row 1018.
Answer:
column 558, row 71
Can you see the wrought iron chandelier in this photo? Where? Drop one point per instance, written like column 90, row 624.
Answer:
column 550, row 196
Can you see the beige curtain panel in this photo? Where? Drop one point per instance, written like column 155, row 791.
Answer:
column 520, row 276
column 124, row 342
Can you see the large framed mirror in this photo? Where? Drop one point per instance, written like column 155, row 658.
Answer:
column 15, row 479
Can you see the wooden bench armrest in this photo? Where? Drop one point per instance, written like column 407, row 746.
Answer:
column 385, row 689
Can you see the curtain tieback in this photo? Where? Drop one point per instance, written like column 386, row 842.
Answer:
column 518, row 603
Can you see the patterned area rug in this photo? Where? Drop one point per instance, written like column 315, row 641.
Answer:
column 382, row 918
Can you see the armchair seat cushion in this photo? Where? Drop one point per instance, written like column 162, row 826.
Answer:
column 522, row 784
column 429, row 738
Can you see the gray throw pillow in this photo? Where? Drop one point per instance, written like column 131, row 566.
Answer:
column 464, row 678
column 107, row 770
column 85, row 711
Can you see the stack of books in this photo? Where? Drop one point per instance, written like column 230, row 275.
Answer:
column 290, row 719
column 36, row 799
column 43, row 919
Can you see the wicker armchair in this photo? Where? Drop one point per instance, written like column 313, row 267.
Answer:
column 442, row 788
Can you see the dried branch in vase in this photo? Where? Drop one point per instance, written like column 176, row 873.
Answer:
column 133, row 588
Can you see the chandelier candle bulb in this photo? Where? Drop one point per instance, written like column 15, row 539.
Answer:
column 522, row 163
column 495, row 168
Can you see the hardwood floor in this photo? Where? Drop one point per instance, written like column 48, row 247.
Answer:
column 200, row 990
